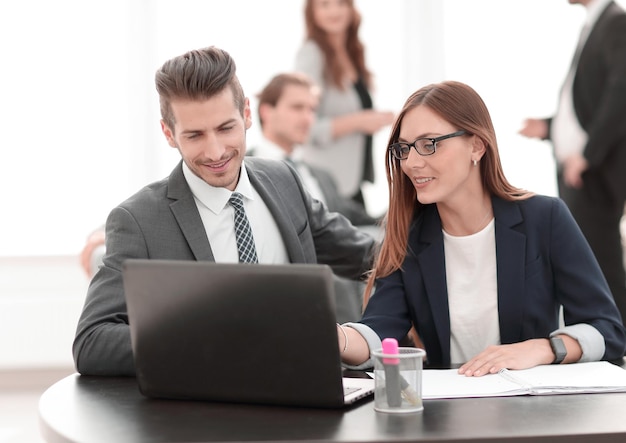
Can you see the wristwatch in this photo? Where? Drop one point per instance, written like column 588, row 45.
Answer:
column 559, row 349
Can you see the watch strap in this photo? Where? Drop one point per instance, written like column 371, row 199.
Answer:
column 559, row 349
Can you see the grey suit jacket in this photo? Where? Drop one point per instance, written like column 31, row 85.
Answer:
column 162, row 221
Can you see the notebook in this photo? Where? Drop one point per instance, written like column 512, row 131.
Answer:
column 245, row 333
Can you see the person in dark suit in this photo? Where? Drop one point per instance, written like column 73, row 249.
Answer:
column 187, row 216
column 478, row 267
column 589, row 138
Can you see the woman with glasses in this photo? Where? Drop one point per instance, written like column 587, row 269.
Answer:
column 478, row 267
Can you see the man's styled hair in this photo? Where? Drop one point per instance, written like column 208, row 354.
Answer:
column 197, row 75
column 271, row 93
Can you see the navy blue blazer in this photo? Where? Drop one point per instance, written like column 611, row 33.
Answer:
column 543, row 261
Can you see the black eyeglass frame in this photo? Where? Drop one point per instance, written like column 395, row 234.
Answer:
column 395, row 148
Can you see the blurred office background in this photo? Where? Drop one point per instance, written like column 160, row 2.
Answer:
column 80, row 122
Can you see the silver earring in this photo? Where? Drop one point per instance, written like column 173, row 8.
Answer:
column 475, row 162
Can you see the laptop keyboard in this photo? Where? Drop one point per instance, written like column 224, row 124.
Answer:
column 349, row 390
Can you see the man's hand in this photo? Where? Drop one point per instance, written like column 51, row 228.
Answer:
column 573, row 168
column 534, row 128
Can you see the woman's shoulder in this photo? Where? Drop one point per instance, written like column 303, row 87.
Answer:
column 536, row 208
column 308, row 54
column 310, row 47
column 310, row 60
column 539, row 201
column 535, row 202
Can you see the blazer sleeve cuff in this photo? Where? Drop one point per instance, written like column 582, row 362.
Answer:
column 373, row 342
column 590, row 339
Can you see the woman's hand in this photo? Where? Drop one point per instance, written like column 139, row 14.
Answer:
column 523, row 355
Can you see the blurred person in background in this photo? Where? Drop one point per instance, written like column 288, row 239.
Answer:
column 334, row 57
column 588, row 134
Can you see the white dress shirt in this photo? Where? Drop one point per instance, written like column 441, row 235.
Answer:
column 218, row 217
column 568, row 137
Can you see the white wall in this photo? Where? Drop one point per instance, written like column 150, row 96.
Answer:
column 80, row 114
column 40, row 301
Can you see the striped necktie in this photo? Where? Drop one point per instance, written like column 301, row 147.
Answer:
column 243, row 233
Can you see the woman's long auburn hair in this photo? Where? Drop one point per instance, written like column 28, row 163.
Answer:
column 356, row 50
column 461, row 106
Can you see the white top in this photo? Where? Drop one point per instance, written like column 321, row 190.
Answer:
column 568, row 137
column 218, row 217
column 472, row 292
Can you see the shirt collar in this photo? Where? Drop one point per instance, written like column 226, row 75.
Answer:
column 594, row 9
column 216, row 198
column 268, row 149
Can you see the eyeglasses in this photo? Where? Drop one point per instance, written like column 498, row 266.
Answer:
column 423, row 146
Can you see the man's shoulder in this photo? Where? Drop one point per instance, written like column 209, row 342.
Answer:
column 154, row 191
column 173, row 186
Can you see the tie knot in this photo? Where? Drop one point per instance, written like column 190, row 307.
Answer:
column 236, row 199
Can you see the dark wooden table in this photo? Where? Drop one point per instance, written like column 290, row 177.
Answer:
column 111, row 409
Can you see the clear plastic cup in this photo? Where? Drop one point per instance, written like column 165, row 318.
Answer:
column 398, row 380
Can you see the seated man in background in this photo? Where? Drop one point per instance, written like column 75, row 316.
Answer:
column 190, row 215
column 286, row 110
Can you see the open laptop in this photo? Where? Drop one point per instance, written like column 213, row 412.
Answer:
column 247, row 333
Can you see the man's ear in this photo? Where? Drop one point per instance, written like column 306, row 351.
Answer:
column 169, row 135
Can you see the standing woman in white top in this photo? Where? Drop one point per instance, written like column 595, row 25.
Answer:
column 334, row 57
column 477, row 266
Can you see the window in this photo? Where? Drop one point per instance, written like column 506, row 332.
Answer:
column 80, row 114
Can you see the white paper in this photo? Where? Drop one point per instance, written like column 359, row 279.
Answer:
column 541, row 380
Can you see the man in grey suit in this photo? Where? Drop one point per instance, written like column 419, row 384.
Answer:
column 589, row 137
column 187, row 216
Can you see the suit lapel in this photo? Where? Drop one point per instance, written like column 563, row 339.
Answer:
column 511, row 258
column 430, row 255
column 186, row 214
column 330, row 194
column 272, row 198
